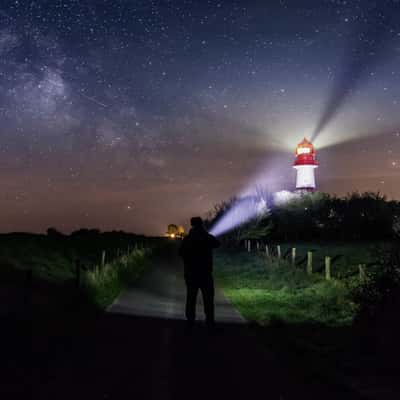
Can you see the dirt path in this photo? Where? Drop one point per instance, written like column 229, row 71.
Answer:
column 139, row 350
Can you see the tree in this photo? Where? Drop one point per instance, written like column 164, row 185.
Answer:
column 172, row 230
column 54, row 233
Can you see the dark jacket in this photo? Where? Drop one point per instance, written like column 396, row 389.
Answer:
column 196, row 251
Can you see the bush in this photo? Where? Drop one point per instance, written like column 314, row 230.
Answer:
column 381, row 286
column 378, row 304
column 315, row 216
column 379, row 293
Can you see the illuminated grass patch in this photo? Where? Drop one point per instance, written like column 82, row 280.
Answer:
column 273, row 292
column 105, row 283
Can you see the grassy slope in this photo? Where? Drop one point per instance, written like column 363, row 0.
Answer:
column 105, row 284
column 52, row 261
column 271, row 291
column 49, row 260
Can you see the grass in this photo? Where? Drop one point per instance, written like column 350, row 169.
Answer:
column 22, row 252
column 275, row 291
column 345, row 256
column 52, row 261
column 306, row 320
column 105, row 283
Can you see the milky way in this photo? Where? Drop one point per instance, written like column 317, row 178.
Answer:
column 136, row 114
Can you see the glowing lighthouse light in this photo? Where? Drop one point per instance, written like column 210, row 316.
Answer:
column 305, row 164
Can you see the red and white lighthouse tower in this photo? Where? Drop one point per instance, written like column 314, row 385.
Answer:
column 305, row 164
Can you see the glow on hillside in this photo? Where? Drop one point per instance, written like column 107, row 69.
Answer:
column 248, row 208
column 253, row 200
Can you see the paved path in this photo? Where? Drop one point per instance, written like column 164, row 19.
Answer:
column 139, row 350
column 160, row 293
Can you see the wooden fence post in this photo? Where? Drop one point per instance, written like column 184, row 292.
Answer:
column 267, row 251
column 103, row 258
column 309, row 262
column 327, row 268
column 293, row 256
column 249, row 245
column 361, row 269
column 278, row 249
column 258, row 245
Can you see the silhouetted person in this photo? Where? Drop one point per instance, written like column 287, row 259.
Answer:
column 196, row 251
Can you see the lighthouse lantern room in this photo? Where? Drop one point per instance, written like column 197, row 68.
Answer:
column 305, row 164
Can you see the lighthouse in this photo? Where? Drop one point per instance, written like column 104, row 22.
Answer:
column 305, row 165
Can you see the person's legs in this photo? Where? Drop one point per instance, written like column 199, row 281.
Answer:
column 191, row 298
column 207, row 290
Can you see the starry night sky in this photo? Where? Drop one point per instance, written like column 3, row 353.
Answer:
column 135, row 114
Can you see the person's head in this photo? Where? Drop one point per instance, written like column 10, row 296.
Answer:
column 196, row 222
